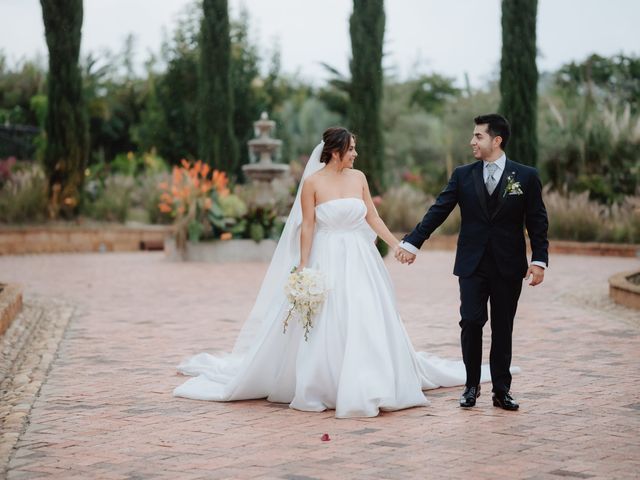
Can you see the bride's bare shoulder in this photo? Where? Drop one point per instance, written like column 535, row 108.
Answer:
column 313, row 176
column 312, row 180
column 358, row 173
column 311, row 183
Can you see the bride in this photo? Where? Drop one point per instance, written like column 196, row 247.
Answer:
column 358, row 359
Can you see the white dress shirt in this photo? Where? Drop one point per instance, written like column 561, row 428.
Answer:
column 500, row 163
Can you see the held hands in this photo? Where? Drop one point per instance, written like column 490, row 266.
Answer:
column 536, row 274
column 403, row 256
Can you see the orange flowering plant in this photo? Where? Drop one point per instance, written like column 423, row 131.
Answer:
column 203, row 206
column 189, row 196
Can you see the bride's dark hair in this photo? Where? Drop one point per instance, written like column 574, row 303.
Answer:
column 336, row 139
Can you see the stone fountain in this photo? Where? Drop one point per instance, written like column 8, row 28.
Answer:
column 262, row 171
column 262, row 151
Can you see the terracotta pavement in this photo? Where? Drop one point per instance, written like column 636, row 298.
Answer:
column 105, row 410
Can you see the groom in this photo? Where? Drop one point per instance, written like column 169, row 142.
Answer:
column 498, row 198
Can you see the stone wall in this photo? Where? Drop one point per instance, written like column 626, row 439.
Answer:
column 448, row 242
column 53, row 239
column 119, row 238
column 624, row 292
column 10, row 304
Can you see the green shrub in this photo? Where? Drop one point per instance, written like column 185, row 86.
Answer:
column 131, row 164
column 146, row 198
column 572, row 216
column 110, row 202
column 263, row 222
column 127, row 189
column 382, row 247
column 23, row 196
column 403, row 206
column 584, row 148
column 624, row 221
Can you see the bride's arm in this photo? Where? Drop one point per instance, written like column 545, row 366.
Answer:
column 307, row 200
column 374, row 220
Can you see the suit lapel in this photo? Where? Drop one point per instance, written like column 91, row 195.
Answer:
column 508, row 171
column 478, row 182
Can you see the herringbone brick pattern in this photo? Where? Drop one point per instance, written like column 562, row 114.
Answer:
column 105, row 410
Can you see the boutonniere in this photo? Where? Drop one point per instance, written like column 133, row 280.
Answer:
column 513, row 187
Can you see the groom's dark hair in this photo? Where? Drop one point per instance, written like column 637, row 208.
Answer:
column 497, row 126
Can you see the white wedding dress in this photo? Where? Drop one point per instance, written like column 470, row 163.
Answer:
column 358, row 359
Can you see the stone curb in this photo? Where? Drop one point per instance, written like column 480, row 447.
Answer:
column 27, row 351
column 10, row 304
column 449, row 242
column 622, row 291
column 55, row 239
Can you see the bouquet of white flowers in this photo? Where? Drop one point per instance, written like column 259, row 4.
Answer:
column 306, row 291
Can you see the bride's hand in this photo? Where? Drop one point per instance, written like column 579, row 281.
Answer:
column 397, row 254
column 404, row 257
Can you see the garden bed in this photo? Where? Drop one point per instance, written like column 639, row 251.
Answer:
column 81, row 238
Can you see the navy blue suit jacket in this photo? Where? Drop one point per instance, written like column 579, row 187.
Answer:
column 504, row 229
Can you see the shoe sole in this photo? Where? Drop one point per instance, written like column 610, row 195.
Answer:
column 497, row 404
column 474, row 403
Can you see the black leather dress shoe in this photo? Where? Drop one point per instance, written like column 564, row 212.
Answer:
column 468, row 398
column 505, row 401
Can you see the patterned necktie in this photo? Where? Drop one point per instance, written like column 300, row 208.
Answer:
column 491, row 181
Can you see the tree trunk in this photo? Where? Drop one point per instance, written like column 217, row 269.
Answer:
column 66, row 123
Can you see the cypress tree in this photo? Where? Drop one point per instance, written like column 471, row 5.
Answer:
column 367, row 36
column 244, row 70
column 66, row 124
column 519, row 78
column 216, row 142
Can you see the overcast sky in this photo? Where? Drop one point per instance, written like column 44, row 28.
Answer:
column 449, row 37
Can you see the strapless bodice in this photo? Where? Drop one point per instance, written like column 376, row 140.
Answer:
column 341, row 214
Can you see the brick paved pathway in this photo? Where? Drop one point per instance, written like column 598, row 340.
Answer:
column 105, row 410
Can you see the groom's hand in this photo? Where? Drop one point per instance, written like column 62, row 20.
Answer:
column 536, row 274
column 404, row 257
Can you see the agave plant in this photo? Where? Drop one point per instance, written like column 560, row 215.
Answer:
column 226, row 214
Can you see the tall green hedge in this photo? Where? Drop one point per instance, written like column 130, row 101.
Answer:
column 519, row 78
column 217, row 144
column 367, row 25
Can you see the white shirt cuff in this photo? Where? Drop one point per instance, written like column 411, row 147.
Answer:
column 539, row 263
column 408, row 247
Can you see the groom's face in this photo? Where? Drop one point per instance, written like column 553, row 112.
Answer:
column 482, row 143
